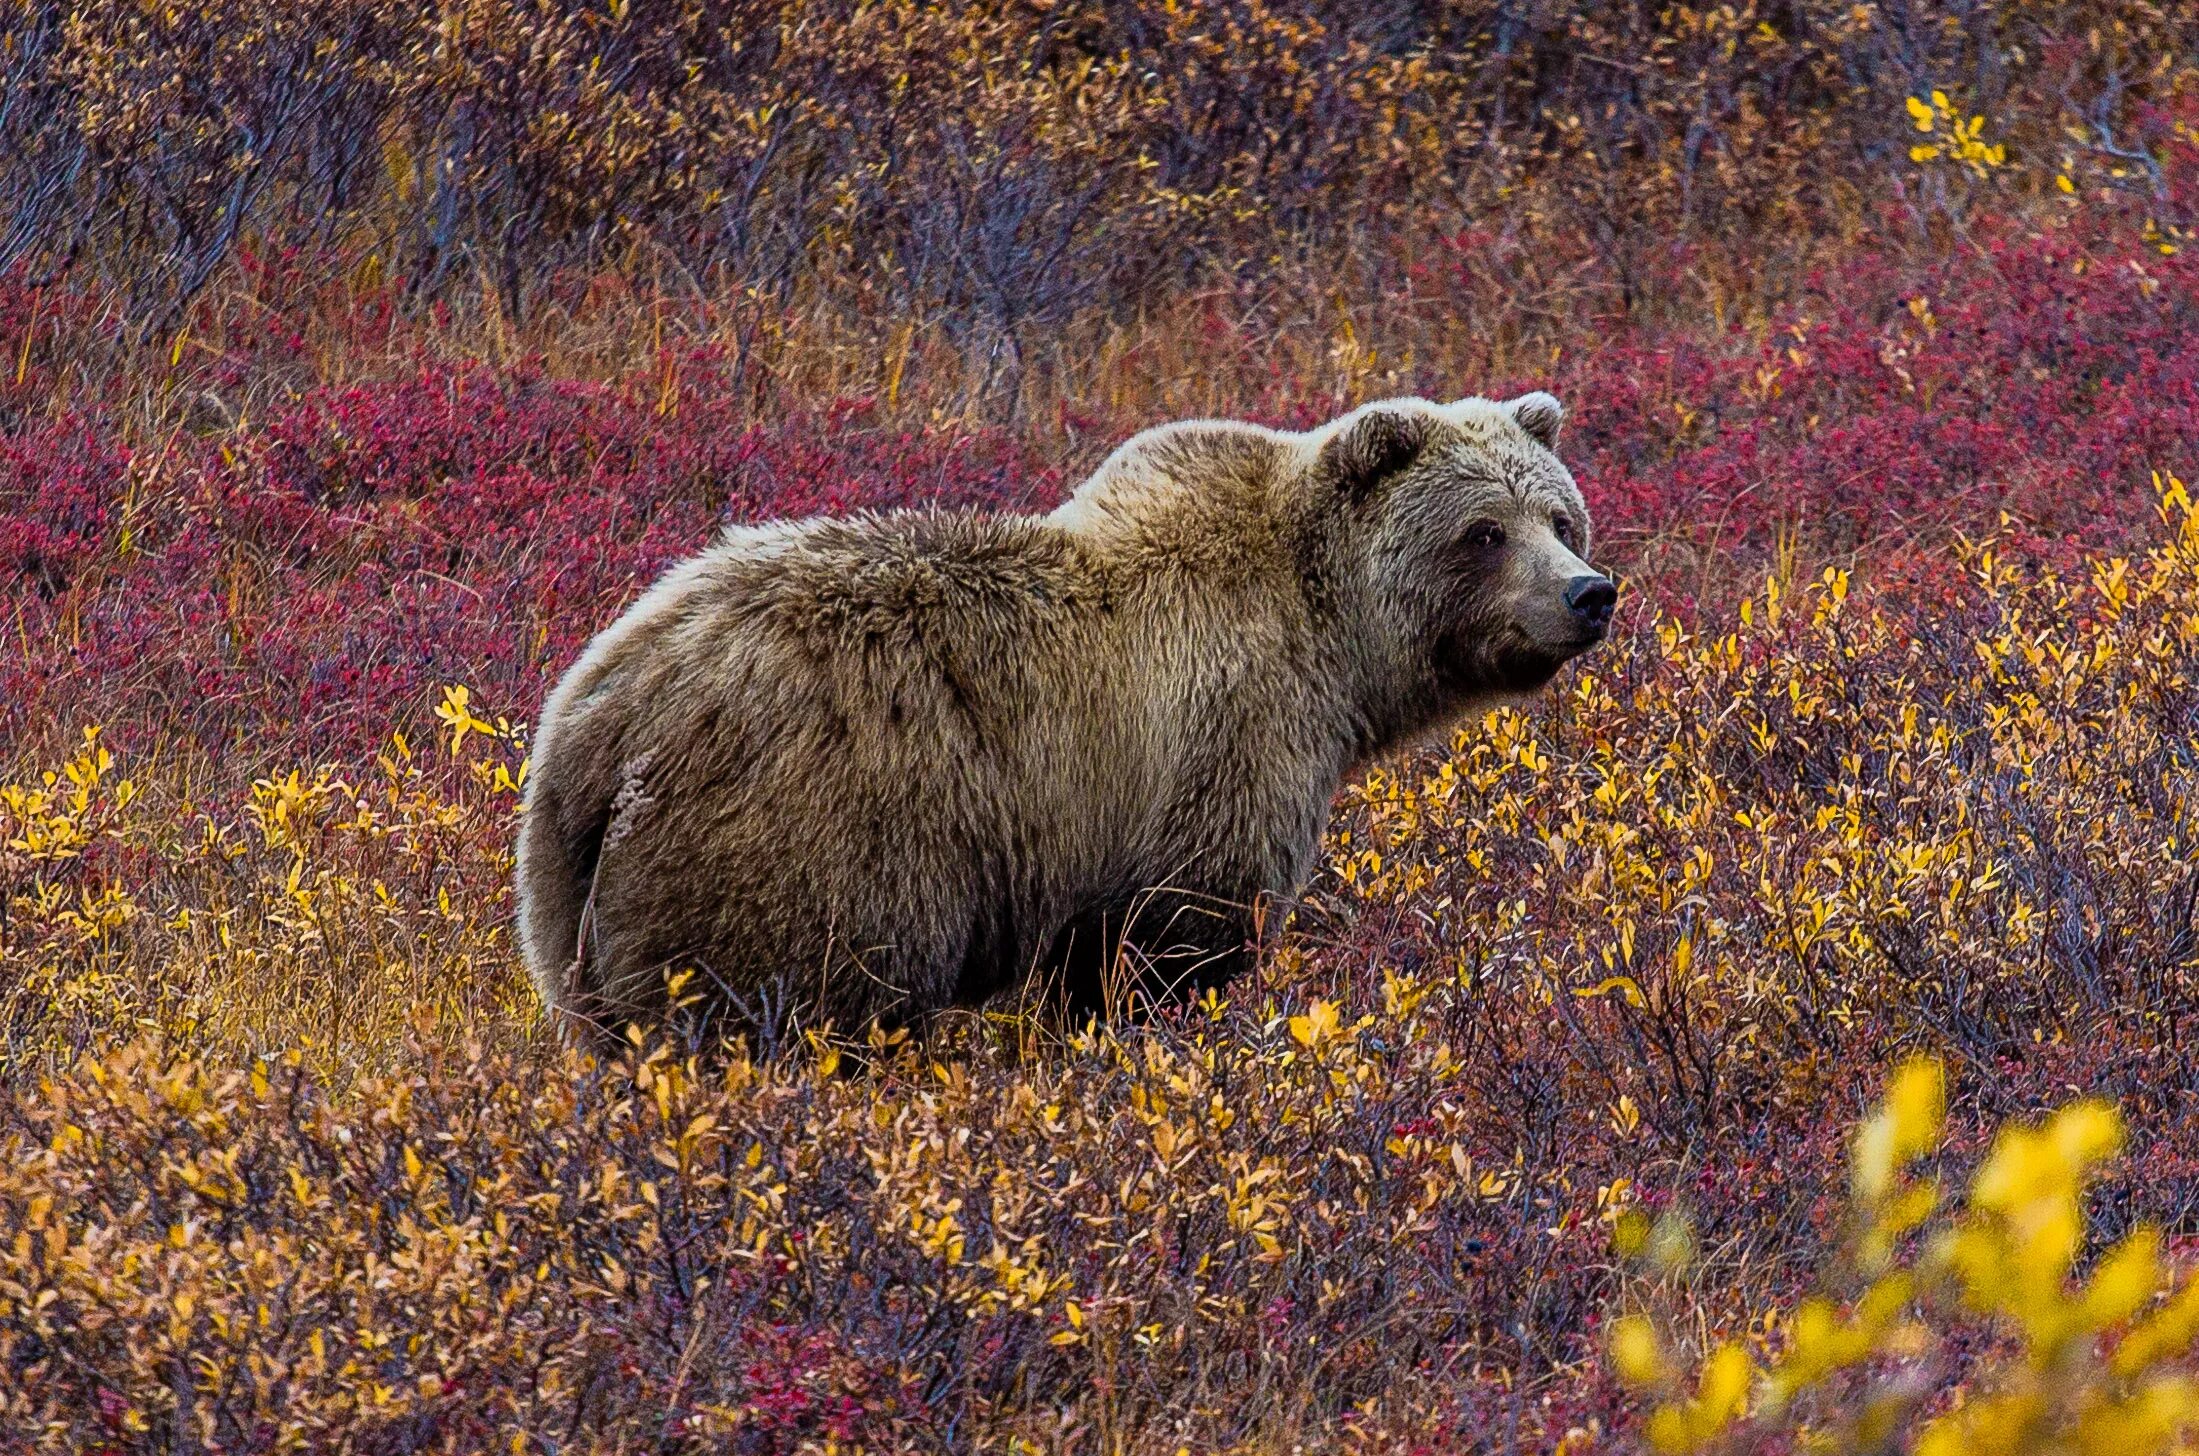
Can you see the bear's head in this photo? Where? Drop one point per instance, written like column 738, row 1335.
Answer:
column 1463, row 543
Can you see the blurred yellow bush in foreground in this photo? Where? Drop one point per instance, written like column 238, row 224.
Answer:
column 2057, row 1364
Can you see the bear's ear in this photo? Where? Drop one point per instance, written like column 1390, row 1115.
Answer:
column 1539, row 415
column 1371, row 449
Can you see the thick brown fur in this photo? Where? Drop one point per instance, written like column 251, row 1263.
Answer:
column 874, row 768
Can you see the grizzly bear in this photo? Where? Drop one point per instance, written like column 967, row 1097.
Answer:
column 866, row 769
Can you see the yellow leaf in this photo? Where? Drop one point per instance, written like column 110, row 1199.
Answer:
column 2125, row 1281
column 1316, row 1026
column 2167, row 1334
column 1634, row 1351
column 2085, row 1132
column 1626, row 986
column 1917, row 1101
column 1630, row 1235
column 1725, row 1386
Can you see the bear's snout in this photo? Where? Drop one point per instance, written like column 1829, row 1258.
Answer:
column 1591, row 599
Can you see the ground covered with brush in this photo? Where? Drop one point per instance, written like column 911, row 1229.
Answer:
column 1882, row 398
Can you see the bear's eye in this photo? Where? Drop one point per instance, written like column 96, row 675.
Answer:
column 1563, row 525
column 1484, row 535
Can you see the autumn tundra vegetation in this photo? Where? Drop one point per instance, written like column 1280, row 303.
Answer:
column 1779, row 1035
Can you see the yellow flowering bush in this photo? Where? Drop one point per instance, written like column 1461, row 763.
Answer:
column 2063, row 1363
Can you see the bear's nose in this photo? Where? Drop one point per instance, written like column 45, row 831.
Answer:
column 1592, row 598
